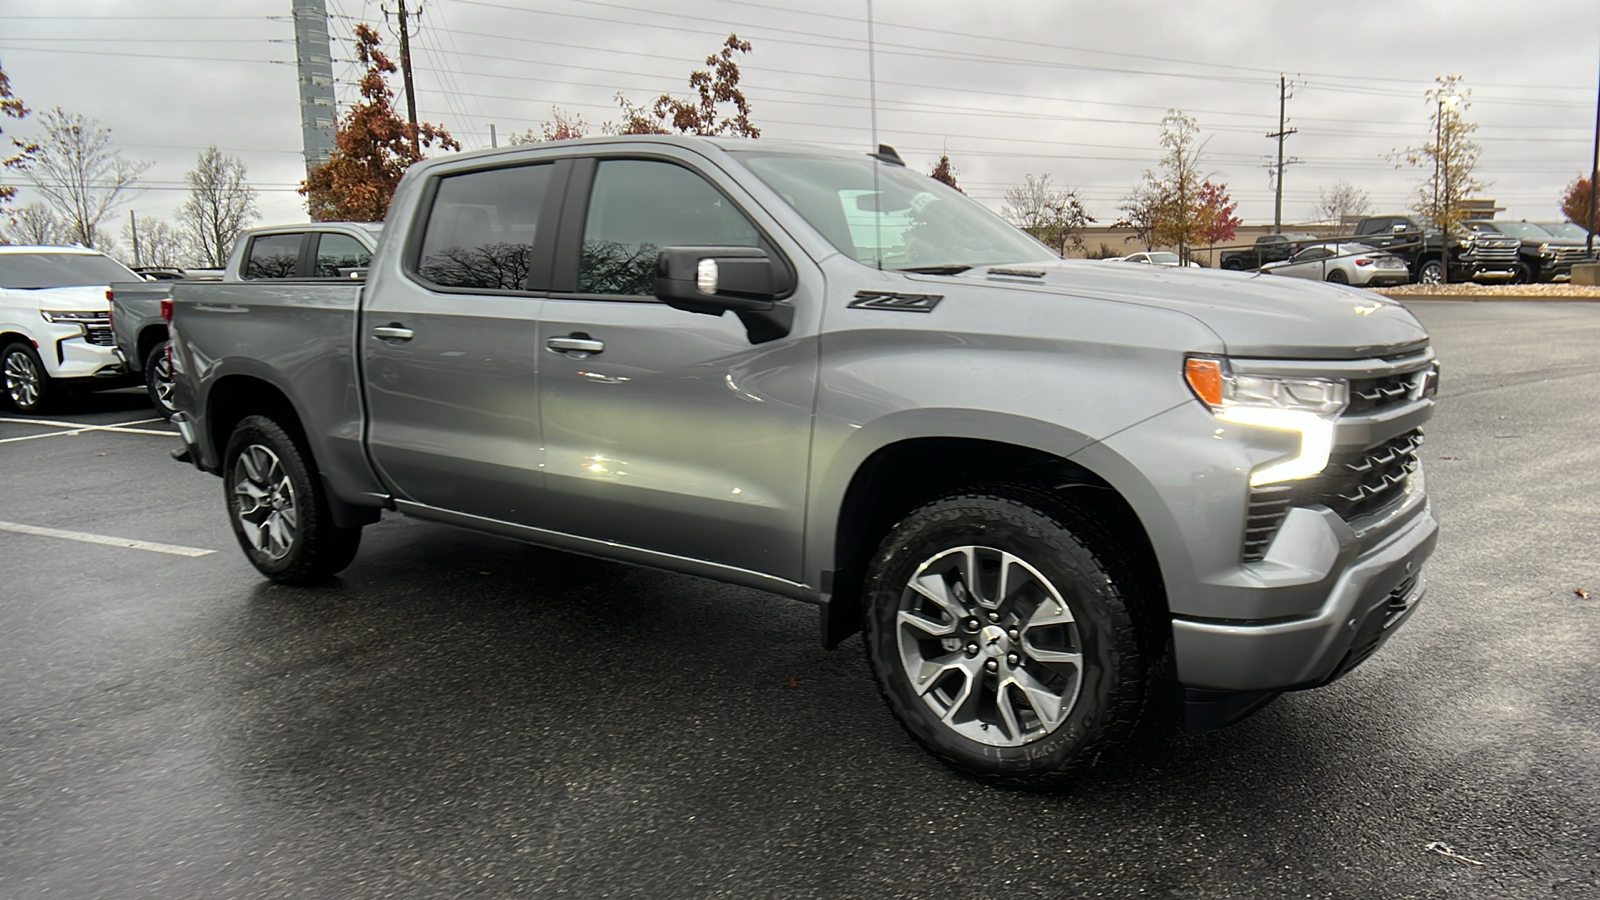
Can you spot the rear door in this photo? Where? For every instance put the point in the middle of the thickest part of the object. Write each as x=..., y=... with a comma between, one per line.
x=671, y=431
x=452, y=346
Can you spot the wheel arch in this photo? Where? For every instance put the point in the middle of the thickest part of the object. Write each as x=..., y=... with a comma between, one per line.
x=149, y=337
x=907, y=473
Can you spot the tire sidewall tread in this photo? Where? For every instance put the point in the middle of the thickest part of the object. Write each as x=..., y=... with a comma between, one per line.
x=1076, y=553
x=320, y=549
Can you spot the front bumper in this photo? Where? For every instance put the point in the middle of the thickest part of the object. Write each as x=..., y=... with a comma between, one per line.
x=1372, y=597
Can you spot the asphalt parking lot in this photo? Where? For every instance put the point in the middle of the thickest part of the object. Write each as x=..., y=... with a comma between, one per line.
x=460, y=716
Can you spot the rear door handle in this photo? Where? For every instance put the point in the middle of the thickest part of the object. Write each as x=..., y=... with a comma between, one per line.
x=575, y=343
x=392, y=333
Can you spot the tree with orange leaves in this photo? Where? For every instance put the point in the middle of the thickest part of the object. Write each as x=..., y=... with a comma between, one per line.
x=373, y=147
x=719, y=85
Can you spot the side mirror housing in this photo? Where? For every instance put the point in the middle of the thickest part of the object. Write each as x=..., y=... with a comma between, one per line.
x=715, y=280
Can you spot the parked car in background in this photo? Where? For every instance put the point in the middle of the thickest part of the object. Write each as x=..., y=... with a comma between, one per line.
x=1355, y=264
x=54, y=327
x=1571, y=231
x=1474, y=255
x=1156, y=258
x=1543, y=256
x=1268, y=248
x=316, y=251
x=173, y=273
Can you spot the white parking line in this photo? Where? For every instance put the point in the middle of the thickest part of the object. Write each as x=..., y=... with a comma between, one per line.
x=86, y=538
x=74, y=428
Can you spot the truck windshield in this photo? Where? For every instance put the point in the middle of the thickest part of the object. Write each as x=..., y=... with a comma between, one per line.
x=1525, y=230
x=1569, y=230
x=29, y=271
x=900, y=220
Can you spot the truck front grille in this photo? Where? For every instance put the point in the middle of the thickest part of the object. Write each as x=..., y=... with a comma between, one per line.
x=1361, y=483
x=98, y=331
x=1497, y=252
x=1354, y=484
x=1369, y=395
x=1566, y=256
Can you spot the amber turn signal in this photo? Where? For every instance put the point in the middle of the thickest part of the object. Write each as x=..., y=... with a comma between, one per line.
x=1205, y=379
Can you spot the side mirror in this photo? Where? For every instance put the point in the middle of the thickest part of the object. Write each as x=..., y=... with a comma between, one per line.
x=715, y=280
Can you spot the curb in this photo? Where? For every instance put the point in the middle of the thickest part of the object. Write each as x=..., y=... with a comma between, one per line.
x=1481, y=298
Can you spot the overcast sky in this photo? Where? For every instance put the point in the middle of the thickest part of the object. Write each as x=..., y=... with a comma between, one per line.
x=1009, y=87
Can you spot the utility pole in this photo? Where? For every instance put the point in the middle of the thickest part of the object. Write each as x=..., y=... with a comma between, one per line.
x=493, y=141
x=315, y=65
x=133, y=226
x=1594, y=181
x=405, y=71
x=1280, y=134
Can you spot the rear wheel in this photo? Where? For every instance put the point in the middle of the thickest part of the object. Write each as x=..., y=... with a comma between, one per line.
x=1337, y=276
x=28, y=387
x=278, y=508
x=1233, y=264
x=1004, y=642
x=158, y=380
x=1432, y=272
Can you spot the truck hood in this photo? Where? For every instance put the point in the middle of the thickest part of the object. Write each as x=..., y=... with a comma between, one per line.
x=84, y=298
x=1254, y=315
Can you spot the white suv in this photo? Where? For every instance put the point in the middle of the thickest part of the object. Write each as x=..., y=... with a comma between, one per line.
x=55, y=322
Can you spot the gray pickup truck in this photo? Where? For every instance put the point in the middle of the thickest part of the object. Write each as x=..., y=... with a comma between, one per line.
x=1052, y=493
x=319, y=250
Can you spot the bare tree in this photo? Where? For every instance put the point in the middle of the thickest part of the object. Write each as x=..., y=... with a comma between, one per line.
x=1341, y=200
x=35, y=224
x=221, y=203
x=159, y=243
x=80, y=174
x=1055, y=217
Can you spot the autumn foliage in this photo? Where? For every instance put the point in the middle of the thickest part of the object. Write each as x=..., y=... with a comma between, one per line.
x=1575, y=203
x=699, y=116
x=12, y=108
x=1214, y=208
x=372, y=149
x=945, y=171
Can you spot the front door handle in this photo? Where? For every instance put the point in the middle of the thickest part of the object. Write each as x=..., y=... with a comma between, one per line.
x=393, y=332
x=575, y=343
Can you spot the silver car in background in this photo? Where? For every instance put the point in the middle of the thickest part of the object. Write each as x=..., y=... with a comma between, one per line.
x=1355, y=264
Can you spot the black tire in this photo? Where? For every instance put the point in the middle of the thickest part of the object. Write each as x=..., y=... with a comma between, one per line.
x=1233, y=265
x=1524, y=275
x=27, y=386
x=1058, y=545
x=158, y=380
x=1337, y=276
x=1430, y=271
x=265, y=467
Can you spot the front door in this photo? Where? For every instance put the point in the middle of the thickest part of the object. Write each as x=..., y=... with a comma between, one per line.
x=451, y=344
x=663, y=429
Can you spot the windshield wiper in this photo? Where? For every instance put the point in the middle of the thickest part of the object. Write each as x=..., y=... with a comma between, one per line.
x=954, y=269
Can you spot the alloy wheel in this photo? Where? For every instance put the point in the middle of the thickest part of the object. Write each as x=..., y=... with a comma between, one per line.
x=990, y=645
x=22, y=380
x=163, y=383
x=264, y=501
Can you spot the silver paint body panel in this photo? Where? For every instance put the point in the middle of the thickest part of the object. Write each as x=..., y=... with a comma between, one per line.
x=683, y=445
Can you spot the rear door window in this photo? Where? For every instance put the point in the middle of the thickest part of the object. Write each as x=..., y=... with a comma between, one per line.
x=481, y=228
x=274, y=256
x=339, y=251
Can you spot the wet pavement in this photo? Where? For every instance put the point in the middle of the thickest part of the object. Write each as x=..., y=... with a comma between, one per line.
x=461, y=716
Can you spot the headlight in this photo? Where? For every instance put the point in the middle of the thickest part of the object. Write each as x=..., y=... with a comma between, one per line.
x=1306, y=406
x=70, y=317
x=1544, y=250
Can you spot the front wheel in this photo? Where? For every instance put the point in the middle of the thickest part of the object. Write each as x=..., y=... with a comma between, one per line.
x=28, y=387
x=158, y=380
x=1004, y=642
x=278, y=508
